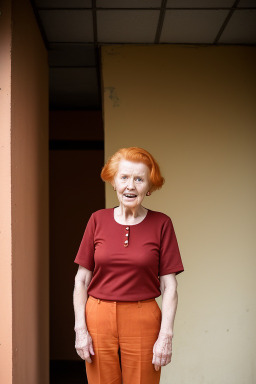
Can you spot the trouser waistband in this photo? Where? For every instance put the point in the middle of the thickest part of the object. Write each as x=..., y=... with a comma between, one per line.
x=139, y=302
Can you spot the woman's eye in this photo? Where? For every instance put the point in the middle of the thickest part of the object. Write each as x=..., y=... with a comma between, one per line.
x=138, y=179
x=123, y=177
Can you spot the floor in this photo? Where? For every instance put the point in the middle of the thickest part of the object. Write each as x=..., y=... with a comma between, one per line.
x=67, y=372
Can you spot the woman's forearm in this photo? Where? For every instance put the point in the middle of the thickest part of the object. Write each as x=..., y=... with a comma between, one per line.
x=169, y=306
x=162, y=350
x=79, y=300
x=83, y=343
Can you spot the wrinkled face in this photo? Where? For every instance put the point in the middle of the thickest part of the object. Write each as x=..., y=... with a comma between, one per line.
x=131, y=182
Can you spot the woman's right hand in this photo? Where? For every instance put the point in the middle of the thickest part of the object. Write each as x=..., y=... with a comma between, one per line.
x=83, y=344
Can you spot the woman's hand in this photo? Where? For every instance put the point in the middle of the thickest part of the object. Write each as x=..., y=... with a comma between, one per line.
x=162, y=350
x=83, y=344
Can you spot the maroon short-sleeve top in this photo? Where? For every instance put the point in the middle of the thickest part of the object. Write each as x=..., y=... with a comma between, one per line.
x=127, y=260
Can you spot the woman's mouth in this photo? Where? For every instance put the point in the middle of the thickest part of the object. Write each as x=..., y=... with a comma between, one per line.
x=130, y=195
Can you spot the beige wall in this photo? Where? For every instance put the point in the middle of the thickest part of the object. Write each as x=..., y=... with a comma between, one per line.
x=24, y=353
x=194, y=109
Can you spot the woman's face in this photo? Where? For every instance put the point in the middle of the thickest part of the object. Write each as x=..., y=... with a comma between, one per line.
x=131, y=182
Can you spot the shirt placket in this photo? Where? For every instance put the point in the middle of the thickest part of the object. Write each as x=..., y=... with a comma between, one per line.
x=126, y=236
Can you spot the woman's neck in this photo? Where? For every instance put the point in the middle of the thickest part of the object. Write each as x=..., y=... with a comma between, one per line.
x=128, y=215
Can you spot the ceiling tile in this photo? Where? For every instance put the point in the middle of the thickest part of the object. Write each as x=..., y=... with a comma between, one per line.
x=71, y=55
x=199, y=3
x=63, y=3
x=128, y=3
x=72, y=88
x=241, y=28
x=67, y=25
x=247, y=3
x=199, y=26
x=127, y=26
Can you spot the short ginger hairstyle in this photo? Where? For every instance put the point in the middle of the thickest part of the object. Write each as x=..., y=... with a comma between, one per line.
x=134, y=154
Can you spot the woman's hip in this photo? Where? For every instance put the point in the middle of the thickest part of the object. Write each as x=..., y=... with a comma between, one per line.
x=123, y=318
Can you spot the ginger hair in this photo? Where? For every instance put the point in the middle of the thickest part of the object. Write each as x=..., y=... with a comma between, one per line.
x=134, y=154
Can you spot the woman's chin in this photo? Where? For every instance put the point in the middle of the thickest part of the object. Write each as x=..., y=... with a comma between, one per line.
x=130, y=203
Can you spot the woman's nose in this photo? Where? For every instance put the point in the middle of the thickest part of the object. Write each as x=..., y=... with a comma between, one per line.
x=130, y=184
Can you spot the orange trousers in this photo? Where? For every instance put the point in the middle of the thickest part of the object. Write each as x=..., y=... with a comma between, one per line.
x=133, y=328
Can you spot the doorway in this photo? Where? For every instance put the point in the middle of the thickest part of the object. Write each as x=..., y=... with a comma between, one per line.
x=75, y=191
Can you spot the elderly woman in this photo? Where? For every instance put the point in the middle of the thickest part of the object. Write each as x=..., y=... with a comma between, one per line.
x=128, y=256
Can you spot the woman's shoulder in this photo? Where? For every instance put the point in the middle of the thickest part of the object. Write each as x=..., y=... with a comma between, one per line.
x=157, y=215
x=101, y=213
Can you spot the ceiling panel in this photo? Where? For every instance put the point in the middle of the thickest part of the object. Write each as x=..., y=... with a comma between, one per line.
x=71, y=55
x=192, y=26
x=199, y=3
x=128, y=3
x=73, y=88
x=63, y=3
x=241, y=28
x=247, y=3
x=67, y=25
x=127, y=26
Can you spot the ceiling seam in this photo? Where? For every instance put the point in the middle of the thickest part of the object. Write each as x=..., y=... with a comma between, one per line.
x=94, y=17
x=98, y=9
x=96, y=50
x=100, y=43
x=160, y=21
x=40, y=25
x=145, y=9
x=226, y=21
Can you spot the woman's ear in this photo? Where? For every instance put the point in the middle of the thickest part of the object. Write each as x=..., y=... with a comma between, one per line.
x=113, y=185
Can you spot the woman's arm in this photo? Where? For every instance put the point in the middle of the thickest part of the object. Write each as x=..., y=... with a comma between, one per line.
x=83, y=342
x=162, y=351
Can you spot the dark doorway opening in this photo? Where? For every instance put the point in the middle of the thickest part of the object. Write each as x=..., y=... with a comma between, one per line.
x=76, y=190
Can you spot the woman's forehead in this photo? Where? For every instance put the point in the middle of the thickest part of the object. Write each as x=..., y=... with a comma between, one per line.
x=127, y=166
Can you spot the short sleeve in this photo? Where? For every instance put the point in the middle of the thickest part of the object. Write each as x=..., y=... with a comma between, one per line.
x=85, y=254
x=170, y=259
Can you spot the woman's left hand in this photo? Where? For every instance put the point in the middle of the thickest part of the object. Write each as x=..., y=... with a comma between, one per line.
x=162, y=351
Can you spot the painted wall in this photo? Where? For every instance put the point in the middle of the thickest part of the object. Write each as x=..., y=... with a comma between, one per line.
x=25, y=352
x=194, y=109
x=5, y=197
